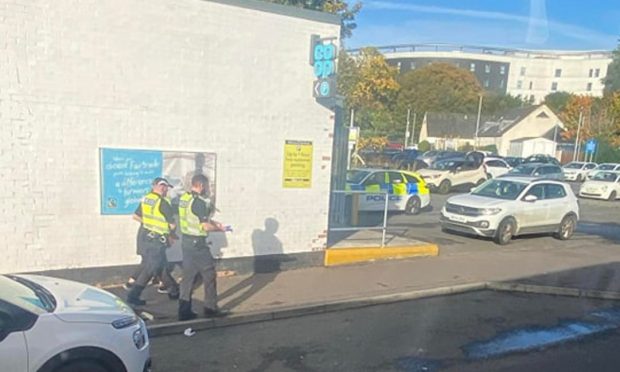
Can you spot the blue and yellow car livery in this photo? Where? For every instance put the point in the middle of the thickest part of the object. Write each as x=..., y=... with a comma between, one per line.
x=407, y=191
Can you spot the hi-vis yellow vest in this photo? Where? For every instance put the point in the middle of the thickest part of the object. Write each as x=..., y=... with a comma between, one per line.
x=152, y=218
x=190, y=223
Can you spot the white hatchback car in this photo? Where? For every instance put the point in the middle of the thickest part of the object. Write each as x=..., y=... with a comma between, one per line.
x=612, y=167
x=496, y=167
x=578, y=171
x=602, y=185
x=509, y=206
x=56, y=325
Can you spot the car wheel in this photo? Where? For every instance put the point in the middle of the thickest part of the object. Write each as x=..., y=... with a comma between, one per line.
x=580, y=178
x=481, y=181
x=489, y=176
x=505, y=231
x=444, y=187
x=414, y=205
x=567, y=227
x=82, y=366
x=613, y=196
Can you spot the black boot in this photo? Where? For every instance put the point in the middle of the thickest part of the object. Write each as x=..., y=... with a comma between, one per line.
x=185, y=311
x=133, y=297
x=215, y=313
x=173, y=293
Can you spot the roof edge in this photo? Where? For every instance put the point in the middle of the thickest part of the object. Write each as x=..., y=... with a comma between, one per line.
x=285, y=10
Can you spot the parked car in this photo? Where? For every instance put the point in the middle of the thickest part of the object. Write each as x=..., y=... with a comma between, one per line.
x=496, y=167
x=506, y=207
x=514, y=161
x=602, y=185
x=541, y=158
x=430, y=157
x=55, y=325
x=444, y=175
x=612, y=167
x=577, y=171
x=537, y=170
x=407, y=191
x=405, y=158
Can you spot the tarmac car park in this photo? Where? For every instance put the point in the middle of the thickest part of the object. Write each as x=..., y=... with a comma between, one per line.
x=406, y=191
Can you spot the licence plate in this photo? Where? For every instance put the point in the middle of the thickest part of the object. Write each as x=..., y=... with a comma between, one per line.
x=458, y=219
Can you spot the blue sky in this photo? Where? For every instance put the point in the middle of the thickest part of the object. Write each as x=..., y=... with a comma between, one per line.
x=532, y=24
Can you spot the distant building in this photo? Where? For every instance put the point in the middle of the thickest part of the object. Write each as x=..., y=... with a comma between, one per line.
x=449, y=131
x=531, y=74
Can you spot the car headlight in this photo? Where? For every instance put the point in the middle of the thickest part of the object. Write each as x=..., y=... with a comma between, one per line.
x=490, y=211
x=125, y=322
x=139, y=338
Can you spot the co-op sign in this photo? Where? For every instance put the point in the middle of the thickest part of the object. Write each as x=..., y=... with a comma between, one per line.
x=323, y=54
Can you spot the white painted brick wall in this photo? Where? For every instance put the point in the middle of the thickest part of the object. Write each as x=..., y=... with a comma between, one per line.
x=155, y=74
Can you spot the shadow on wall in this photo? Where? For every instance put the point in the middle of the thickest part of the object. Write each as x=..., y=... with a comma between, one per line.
x=268, y=257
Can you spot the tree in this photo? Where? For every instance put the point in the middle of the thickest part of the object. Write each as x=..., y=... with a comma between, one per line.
x=575, y=107
x=342, y=8
x=612, y=80
x=557, y=101
x=439, y=87
x=494, y=103
x=369, y=86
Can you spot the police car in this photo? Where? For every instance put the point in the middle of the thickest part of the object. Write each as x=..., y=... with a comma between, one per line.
x=407, y=191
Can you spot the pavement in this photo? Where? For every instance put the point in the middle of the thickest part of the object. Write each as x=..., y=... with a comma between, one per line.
x=475, y=331
x=590, y=261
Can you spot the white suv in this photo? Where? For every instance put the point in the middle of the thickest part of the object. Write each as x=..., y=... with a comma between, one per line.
x=578, y=171
x=55, y=325
x=509, y=206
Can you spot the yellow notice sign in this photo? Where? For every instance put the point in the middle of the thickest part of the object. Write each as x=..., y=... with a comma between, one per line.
x=297, y=165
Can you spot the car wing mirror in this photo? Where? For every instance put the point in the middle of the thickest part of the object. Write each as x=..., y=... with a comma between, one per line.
x=530, y=198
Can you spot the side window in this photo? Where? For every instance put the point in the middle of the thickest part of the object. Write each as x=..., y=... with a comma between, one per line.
x=538, y=191
x=496, y=164
x=554, y=191
x=377, y=178
x=539, y=171
x=545, y=170
x=396, y=177
x=411, y=179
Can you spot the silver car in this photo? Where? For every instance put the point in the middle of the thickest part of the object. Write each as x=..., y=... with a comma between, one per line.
x=538, y=170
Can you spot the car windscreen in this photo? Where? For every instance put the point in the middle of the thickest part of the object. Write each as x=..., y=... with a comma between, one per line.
x=446, y=165
x=605, y=177
x=356, y=176
x=574, y=166
x=606, y=167
x=500, y=189
x=522, y=170
x=26, y=294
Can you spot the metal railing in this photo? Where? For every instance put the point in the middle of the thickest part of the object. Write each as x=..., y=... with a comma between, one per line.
x=355, y=205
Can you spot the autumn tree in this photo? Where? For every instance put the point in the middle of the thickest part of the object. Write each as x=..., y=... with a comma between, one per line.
x=576, y=107
x=369, y=86
x=439, y=87
x=342, y=8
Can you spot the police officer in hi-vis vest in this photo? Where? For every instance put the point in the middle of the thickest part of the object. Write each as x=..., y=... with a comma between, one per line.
x=195, y=211
x=157, y=218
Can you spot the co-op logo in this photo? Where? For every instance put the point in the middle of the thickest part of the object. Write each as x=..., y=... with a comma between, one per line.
x=379, y=198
